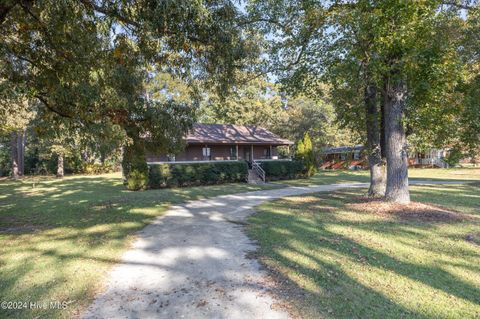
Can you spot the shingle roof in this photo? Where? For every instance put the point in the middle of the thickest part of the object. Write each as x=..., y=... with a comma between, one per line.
x=233, y=134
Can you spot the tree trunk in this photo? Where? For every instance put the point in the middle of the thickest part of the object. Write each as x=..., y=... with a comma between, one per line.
x=383, y=101
x=60, y=166
x=21, y=152
x=396, y=143
x=14, y=155
x=377, y=172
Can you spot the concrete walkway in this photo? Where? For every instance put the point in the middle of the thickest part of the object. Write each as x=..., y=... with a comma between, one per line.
x=191, y=263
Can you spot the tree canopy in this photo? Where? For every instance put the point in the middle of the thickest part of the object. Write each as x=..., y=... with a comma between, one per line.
x=412, y=53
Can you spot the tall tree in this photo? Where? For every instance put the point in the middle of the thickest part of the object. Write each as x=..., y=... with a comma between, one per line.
x=395, y=43
x=87, y=60
x=251, y=102
x=16, y=114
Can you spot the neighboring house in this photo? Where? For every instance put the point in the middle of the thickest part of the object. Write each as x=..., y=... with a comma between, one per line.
x=343, y=153
x=224, y=142
x=353, y=156
x=433, y=157
x=343, y=157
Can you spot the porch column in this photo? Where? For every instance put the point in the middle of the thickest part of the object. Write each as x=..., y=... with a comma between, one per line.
x=271, y=152
x=252, y=153
x=236, y=146
x=205, y=156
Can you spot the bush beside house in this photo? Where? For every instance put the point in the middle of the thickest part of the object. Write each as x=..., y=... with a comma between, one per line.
x=279, y=170
x=304, y=152
x=192, y=174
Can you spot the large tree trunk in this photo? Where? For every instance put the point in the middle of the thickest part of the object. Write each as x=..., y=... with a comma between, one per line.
x=396, y=143
x=21, y=152
x=14, y=155
x=60, y=166
x=383, y=101
x=377, y=172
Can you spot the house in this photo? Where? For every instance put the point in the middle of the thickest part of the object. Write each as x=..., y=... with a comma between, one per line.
x=343, y=153
x=354, y=157
x=225, y=142
x=429, y=158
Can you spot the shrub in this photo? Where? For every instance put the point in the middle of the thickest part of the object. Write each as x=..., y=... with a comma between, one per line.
x=135, y=168
x=99, y=168
x=190, y=174
x=305, y=153
x=278, y=170
x=137, y=179
x=453, y=157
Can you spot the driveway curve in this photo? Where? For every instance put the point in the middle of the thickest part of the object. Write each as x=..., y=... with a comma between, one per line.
x=192, y=263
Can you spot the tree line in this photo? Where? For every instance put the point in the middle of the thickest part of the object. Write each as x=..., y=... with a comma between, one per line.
x=139, y=73
x=396, y=68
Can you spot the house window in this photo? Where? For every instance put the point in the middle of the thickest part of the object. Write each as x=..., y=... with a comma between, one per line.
x=356, y=155
x=343, y=156
x=206, y=153
x=233, y=152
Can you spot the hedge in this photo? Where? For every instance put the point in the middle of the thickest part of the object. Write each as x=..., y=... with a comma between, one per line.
x=278, y=170
x=191, y=174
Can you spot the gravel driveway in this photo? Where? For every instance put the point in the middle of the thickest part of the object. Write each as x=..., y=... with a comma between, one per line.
x=191, y=263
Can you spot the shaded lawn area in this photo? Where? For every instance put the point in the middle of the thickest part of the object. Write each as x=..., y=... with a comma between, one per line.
x=349, y=176
x=59, y=238
x=336, y=260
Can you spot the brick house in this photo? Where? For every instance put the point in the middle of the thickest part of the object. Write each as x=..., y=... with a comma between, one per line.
x=214, y=142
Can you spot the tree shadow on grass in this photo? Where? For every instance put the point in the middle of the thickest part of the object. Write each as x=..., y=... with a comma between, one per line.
x=79, y=200
x=77, y=227
x=304, y=235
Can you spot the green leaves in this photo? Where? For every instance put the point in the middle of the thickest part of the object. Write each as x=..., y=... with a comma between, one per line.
x=428, y=44
x=304, y=153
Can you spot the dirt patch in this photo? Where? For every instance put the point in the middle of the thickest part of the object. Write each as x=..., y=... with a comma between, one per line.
x=410, y=212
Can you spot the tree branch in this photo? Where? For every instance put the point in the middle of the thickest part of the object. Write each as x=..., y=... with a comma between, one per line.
x=108, y=12
x=5, y=9
x=48, y=106
x=458, y=4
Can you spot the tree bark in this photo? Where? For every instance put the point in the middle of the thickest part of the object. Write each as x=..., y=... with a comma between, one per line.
x=383, y=101
x=396, y=143
x=377, y=171
x=21, y=152
x=14, y=155
x=60, y=166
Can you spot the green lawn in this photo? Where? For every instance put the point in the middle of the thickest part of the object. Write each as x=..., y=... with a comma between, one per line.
x=59, y=238
x=336, y=259
x=349, y=176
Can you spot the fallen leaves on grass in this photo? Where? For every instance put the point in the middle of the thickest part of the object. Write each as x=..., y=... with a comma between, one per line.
x=408, y=212
x=301, y=199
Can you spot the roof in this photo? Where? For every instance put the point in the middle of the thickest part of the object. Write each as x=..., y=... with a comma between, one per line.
x=342, y=149
x=233, y=134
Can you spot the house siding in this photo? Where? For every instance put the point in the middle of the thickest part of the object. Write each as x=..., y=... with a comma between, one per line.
x=217, y=152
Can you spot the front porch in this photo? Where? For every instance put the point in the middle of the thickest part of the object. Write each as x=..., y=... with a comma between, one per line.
x=195, y=153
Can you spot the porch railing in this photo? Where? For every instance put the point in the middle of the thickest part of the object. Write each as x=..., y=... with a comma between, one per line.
x=433, y=161
x=258, y=170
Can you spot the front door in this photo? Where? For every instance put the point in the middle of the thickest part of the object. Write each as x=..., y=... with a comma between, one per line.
x=247, y=155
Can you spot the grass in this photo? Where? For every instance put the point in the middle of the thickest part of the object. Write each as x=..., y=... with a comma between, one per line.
x=349, y=176
x=335, y=260
x=58, y=238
